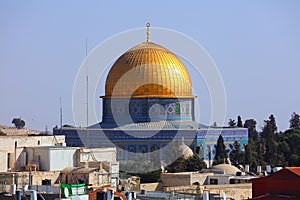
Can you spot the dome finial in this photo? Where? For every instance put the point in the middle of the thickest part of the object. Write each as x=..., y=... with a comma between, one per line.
x=148, y=32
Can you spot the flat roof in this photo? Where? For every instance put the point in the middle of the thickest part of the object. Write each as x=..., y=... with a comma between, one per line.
x=244, y=177
x=52, y=147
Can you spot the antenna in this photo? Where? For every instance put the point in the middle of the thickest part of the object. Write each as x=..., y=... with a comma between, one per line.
x=87, y=85
x=60, y=111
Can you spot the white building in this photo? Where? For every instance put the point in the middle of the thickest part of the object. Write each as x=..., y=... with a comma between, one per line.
x=12, y=149
x=53, y=158
x=56, y=158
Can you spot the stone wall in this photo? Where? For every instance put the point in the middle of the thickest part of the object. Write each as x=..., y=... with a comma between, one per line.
x=38, y=176
x=14, y=131
x=184, y=179
x=23, y=178
x=8, y=143
x=3, y=161
x=235, y=191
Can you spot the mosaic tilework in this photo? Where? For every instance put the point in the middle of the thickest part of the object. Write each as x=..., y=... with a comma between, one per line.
x=203, y=139
x=146, y=110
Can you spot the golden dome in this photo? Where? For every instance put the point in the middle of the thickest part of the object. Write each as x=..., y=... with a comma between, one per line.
x=148, y=71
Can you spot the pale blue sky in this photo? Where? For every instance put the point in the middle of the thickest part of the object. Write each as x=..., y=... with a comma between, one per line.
x=255, y=44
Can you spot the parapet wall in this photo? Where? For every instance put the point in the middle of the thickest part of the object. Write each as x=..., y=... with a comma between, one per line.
x=235, y=191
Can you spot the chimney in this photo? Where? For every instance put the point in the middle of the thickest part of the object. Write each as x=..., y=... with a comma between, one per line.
x=100, y=166
x=247, y=168
x=268, y=168
x=259, y=169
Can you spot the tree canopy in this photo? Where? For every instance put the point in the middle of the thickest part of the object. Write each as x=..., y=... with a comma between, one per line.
x=268, y=146
x=221, y=155
x=236, y=155
x=190, y=164
x=231, y=123
x=147, y=170
x=18, y=122
x=295, y=121
x=239, y=122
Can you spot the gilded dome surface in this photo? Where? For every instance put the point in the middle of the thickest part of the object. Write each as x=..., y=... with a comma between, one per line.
x=148, y=71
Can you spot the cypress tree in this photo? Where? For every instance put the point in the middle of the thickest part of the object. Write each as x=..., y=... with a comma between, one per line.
x=221, y=155
x=295, y=121
x=239, y=121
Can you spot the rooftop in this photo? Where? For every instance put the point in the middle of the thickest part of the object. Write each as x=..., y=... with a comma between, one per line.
x=161, y=125
x=295, y=170
x=227, y=169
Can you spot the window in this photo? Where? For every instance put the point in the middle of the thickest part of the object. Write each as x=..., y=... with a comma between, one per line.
x=187, y=109
x=213, y=181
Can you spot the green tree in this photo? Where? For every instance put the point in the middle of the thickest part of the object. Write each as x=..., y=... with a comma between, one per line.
x=289, y=147
x=194, y=163
x=252, y=132
x=252, y=149
x=270, y=154
x=295, y=121
x=273, y=123
x=239, y=121
x=150, y=177
x=260, y=149
x=236, y=155
x=250, y=156
x=232, y=123
x=190, y=164
x=177, y=166
x=18, y=122
x=221, y=155
x=250, y=124
x=145, y=169
x=68, y=126
x=283, y=152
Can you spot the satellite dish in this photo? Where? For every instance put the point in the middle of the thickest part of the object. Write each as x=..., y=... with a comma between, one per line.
x=66, y=191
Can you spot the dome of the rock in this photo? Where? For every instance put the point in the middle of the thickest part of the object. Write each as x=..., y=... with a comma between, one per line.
x=148, y=83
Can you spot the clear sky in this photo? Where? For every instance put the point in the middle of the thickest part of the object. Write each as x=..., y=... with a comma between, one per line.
x=255, y=44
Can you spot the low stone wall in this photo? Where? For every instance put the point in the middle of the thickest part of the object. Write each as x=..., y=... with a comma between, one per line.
x=22, y=178
x=38, y=176
x=184, y=179
x=14, y=131
x=235, y=191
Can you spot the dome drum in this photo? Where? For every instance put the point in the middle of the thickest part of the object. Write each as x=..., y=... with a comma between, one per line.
x=147, y=110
